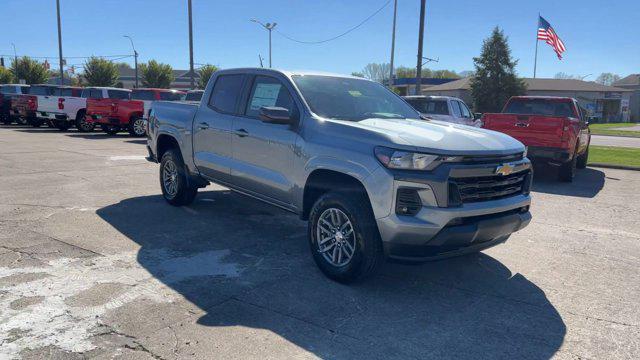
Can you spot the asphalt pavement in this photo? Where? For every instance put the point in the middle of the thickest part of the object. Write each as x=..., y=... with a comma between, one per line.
x=95, y=264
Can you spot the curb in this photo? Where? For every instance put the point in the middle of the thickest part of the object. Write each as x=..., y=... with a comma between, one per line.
x=613, y=166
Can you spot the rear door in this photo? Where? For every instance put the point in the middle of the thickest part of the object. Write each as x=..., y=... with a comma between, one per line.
x=263, y=152
x=535, y=122
x=212, y=127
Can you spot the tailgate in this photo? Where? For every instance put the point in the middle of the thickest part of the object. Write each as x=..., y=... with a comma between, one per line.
x=531, y=130
x=48, y=104
x=100, y=107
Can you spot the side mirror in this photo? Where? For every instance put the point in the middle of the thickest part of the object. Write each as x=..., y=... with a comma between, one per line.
x=477, y=116
x=275, y=115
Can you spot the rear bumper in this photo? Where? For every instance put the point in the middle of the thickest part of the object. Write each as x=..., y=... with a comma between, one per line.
x=106, y=120
x=537, y=153
x=53, y=116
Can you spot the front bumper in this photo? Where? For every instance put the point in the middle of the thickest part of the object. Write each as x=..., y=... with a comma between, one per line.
x=442, y=226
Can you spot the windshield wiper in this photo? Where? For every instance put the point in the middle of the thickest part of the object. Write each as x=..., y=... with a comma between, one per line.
x=382, y=115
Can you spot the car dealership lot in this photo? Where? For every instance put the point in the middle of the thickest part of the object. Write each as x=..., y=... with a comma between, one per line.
x=94, y=263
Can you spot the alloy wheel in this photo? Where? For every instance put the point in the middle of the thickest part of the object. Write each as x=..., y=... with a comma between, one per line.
x=336, y=237
x=170, y=178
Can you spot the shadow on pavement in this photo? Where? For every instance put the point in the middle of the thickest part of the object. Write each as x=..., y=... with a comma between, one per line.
x=247, y=264
x=97, y=135
x=587, y=183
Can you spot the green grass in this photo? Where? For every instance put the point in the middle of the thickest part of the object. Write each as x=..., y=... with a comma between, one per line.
x=607, y=129
x=614, y=155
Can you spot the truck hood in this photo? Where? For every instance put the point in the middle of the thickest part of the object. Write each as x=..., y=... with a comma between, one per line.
x=440, y=137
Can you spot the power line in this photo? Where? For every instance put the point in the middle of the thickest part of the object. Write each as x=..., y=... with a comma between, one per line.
x=337, y=36
x=71, y=57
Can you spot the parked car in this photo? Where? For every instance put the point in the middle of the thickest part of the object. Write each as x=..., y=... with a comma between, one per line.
x=60, y=106
x=193, y=95
x=23, y=109
x=112, y=109
x=7, y=92
x=555, y=130
x=149, y=95
x=445, y=108
x=373, y=179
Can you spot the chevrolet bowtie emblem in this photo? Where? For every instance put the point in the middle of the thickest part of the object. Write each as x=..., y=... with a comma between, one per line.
x=504, y=170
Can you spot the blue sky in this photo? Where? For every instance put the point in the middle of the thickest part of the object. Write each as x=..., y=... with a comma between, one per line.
x=600, y=36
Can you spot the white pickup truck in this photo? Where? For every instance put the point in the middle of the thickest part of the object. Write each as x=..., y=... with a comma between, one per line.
x=59, y=106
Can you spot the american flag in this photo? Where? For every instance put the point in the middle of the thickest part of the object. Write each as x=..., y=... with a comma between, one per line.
x=546, y=33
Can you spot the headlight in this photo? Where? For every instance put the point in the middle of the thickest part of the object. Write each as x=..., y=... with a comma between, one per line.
x=526, y=150
x=404, y=160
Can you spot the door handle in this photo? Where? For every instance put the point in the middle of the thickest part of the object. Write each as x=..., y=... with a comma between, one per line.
x=203, y=126
x=242, y=132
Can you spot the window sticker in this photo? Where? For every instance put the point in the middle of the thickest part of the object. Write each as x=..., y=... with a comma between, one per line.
x=355, y=93
x=265, y=95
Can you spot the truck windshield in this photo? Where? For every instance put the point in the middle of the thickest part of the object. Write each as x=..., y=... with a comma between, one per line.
x=351, y=99
x=118, y=94
x=142, y=95
x=544, y=107
x=429, y=106
x=170, y=96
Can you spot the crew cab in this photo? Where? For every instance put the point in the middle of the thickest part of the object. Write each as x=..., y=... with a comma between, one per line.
x=372, y=177
x=7, y=92
x=445, y=108
x=555, y=130
x=112, y=109
x=59, y=106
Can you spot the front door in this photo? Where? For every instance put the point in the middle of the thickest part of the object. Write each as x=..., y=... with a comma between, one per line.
x=263, y=152
x=212, y=127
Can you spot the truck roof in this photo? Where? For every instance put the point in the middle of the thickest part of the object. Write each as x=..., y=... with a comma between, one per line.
x=106, y=88
x=543, y=97
x=158, y=89
x=430, y=97
x=20, y=85
x=290, y=73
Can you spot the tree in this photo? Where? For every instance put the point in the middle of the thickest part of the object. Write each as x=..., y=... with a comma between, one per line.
x=402, y=72
x=157, y=75
x=205, y=73
x=6, y=76
x=562, y=75
x=100, y=72
x=607, y=78
x=29, y=70
x=445, y=74
x=377, y=72
x=467, y=73
x=495, y=80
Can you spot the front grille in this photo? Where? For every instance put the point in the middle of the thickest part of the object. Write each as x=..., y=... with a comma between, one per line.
x=490, y=159
x=485, y=188
x=408, y=202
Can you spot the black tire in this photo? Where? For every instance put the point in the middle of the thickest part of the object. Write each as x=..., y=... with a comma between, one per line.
x=7, y=120
x=184, y=193
x=368, y=255
x=110, y=129
x=568, y=170
x=583, y=159
x=136, y=127
x=81, y=123
x=22, y=121
x=63, y=125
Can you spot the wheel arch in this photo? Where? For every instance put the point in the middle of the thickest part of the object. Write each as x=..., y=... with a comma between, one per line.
x=321, y=181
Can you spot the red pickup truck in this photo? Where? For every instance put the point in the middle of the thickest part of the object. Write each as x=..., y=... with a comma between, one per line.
x=24, y=107
x=118, y=110
x=554, y=129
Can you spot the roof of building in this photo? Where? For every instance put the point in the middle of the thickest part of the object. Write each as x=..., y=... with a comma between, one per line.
x=536, y=84
x=130, y=72
x=633, y=79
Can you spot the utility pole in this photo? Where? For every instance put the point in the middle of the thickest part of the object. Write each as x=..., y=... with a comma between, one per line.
x=191, y=49
x=269, y=27
x=135, y=57
x=420, y=40
x=60, y=43
x=15, y=55
x=393, y=42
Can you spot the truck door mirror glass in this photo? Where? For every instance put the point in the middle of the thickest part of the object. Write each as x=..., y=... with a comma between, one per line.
x=275, y=115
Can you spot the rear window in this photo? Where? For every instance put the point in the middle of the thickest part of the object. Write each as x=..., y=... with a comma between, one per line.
x=118, y=94
x=226, y=92
x=193, y=96
x=427, y=106
x=41, y=90
x=8, y=89
x=63, y=92
x=542, y=107
x=142, y=95
x=171, y=96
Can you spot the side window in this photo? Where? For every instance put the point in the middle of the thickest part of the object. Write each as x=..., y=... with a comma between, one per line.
x=456, y=109
x=465, y=110
x=226, y=92
x=268, y=91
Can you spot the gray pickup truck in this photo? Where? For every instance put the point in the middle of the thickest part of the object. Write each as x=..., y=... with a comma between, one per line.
x=373, y=179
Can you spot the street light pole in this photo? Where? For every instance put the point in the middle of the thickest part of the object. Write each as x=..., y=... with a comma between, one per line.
x=15, y=55
x=393, y=42
x=191, y=48
x=420, y=41
x=135, y=57
x=269, y=27
x=60, y=43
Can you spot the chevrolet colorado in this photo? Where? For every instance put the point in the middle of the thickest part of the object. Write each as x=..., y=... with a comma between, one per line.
x=555, y=130
x=372, y=178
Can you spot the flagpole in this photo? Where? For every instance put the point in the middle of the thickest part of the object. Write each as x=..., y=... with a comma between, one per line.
x=535, y=61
